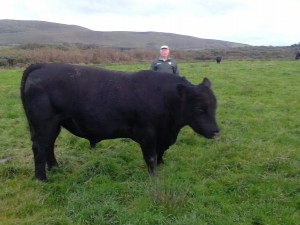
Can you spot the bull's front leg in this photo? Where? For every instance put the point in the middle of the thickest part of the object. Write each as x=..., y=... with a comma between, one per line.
x=148, y=146
x=150, y=158
x=160, y=154
x=160, y=159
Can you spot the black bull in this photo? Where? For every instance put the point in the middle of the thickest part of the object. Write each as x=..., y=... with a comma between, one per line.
x=96, y=104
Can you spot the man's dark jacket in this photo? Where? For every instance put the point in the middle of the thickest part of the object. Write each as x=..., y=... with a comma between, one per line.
x=168, y=66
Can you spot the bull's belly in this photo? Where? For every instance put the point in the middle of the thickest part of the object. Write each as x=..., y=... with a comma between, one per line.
x=97, y=131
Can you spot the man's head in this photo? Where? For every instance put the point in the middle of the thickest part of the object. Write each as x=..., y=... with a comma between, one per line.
x=164, y=51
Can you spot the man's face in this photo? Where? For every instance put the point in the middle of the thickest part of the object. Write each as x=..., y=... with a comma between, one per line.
x=164, y=52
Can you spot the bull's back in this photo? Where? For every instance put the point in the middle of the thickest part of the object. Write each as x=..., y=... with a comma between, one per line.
x=75, y=87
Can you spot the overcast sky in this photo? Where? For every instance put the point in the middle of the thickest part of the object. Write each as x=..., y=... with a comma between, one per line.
x=254, y=22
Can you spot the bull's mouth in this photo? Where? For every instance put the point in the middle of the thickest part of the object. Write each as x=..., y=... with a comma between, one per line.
x=216, y=136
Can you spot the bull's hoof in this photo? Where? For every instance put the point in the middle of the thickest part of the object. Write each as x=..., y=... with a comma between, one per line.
x=151, y=174
x=42, y=180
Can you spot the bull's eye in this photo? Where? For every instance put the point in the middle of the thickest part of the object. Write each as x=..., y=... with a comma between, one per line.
x=200, y=110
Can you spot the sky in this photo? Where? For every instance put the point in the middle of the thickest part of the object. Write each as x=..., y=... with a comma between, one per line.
x=253, y=22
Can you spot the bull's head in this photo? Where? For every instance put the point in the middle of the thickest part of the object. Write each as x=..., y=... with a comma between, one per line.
x=200, y=108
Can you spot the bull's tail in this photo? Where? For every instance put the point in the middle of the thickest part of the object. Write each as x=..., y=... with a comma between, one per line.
x=26, y=73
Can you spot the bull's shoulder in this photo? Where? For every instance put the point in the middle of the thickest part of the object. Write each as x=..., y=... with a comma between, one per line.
x=154, y=77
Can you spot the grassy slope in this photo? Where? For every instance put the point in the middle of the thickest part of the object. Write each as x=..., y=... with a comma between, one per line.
x=250, y=176
x=23, y=32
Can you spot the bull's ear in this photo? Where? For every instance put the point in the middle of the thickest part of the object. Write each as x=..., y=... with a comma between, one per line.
x=206, y=82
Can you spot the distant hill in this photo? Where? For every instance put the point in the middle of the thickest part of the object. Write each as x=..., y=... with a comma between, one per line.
x=18, y=32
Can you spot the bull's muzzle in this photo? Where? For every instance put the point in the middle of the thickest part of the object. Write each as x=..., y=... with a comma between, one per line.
x=216, y=136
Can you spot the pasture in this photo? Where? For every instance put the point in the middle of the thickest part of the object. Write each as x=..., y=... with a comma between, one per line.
x=250, y=176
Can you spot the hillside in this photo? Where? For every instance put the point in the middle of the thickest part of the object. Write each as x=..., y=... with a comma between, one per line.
x=18, y=32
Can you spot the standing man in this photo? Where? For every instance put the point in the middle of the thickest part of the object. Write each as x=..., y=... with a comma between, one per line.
x=164, y=63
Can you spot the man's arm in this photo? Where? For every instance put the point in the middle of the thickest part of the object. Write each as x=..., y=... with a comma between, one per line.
x=175, y=68
x=153, y=67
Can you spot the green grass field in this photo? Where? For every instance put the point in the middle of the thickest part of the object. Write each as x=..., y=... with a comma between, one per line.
x=250, y=176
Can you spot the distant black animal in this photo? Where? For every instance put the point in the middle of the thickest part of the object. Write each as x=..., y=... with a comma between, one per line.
x=297, y=55
x=218, y=59
x=97, y=104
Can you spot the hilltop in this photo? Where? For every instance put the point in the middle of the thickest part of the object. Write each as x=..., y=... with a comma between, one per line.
x=20, y=32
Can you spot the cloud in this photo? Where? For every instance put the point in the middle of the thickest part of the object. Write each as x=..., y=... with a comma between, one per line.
x=253, y=22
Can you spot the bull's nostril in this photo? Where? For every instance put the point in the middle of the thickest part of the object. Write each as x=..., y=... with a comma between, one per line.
x=216, y=132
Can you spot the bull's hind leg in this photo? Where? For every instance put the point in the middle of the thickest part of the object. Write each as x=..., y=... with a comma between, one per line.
x=43, y=137
x=50, y=159
x=39, y=161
